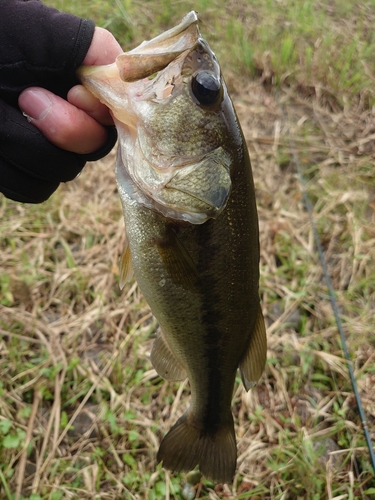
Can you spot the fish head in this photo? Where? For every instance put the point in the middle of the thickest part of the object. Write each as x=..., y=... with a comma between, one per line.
x=170, y=106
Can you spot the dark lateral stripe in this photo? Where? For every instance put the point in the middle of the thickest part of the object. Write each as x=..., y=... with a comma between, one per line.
x=211, y=316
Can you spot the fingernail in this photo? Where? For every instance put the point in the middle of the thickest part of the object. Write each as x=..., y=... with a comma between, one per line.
x=35, y=104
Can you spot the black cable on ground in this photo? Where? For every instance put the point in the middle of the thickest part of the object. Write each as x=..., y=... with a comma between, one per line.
x=334, y=306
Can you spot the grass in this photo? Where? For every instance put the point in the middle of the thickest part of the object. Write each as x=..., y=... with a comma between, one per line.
x=82, y=411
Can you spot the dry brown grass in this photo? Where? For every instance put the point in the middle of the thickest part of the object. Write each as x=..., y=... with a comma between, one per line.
x=86, y=409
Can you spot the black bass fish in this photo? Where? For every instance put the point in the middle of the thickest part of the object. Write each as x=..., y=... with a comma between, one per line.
x=185, y=182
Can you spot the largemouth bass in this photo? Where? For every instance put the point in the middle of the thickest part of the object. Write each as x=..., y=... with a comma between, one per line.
x=185, y=182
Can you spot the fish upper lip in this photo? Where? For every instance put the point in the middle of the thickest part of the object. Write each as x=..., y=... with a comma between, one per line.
x=176, y=32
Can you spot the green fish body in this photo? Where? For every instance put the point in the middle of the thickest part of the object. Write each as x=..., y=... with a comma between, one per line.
x=186, y=186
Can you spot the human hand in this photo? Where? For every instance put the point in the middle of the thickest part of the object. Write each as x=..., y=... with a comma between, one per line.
x=75, y=125
x=67, y=126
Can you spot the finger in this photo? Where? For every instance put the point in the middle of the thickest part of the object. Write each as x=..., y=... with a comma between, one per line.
x=104, y=48
x=62, y=123
x=83, y=99
x=31, y=167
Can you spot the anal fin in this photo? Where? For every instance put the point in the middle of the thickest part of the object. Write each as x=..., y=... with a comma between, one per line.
x=252, y=364
x=164, y=361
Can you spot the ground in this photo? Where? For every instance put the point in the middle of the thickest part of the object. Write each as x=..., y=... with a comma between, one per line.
x=82, y=411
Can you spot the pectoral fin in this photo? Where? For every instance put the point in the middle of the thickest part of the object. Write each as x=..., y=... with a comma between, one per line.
x=178, y=261
x=126, y=268
x=252, y=364
x=164, y=361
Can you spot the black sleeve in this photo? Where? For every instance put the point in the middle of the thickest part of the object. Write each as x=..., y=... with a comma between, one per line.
x=39, y=46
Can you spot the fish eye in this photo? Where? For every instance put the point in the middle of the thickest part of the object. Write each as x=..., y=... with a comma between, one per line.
x=206, y=88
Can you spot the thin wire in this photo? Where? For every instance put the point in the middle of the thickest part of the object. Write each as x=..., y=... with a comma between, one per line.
x=334, y=306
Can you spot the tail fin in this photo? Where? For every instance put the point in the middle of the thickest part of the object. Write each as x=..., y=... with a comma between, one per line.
x=185, y=446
